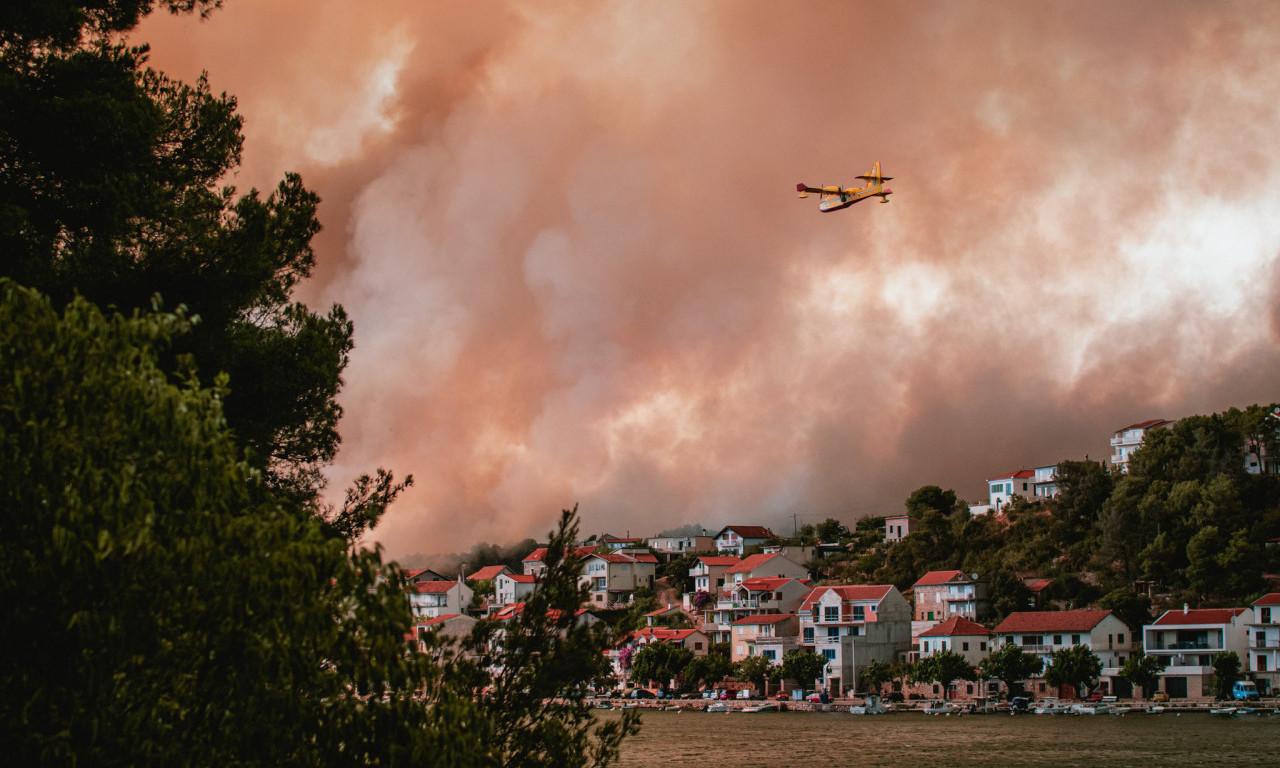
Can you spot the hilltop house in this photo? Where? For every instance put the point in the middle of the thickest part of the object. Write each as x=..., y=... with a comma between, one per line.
x=1040, y=633
x=612, y=577
x=852, y=625
x=708, y=572
x=939, y=595
x=1001, y=489
x=1185, y=640
x=1128, y=439
x=513, y=587
x=674, y=546
x=898, y=527
x=431, y=599
x=764, y=566
x=736, y=539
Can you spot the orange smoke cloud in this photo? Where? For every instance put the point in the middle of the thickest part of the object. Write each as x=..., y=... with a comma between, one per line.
x=567, y=237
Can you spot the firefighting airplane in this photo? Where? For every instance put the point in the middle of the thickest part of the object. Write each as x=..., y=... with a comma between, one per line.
x=835, y=198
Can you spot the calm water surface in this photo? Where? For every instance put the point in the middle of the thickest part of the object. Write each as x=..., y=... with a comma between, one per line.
x=838, y=739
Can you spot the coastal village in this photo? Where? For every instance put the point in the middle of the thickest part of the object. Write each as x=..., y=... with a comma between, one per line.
x=753, y=596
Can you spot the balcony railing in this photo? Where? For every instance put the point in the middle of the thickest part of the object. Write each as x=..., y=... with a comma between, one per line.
x=1195, y=645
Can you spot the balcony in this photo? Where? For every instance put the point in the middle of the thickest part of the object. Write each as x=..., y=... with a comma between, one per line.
x=728, y=605
x=1197, y=645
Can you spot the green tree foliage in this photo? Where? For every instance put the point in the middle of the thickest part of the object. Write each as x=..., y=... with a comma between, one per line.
x=1010, y=665
x=758, y=671
x=1226, y=671
x=802, y=666
x=660, y=663
x=1076, y=666
x=931, y=498
x=1132, y=608
x=676, y=572
x=706, y=670
x=1142, y=671
x=874, y=675
x=944, y=668
x=110, y=179
x=832, y=531
x=169, y=607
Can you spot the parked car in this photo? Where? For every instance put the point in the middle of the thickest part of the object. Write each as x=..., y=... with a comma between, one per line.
x=1244, y=690
x=1019, y=705
x=1160, y=696
x=641, y=693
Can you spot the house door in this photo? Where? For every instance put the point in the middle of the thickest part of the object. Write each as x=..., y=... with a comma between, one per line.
x=1176, y=687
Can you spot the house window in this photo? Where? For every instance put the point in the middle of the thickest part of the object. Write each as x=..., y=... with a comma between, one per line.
x=1262, y=663
x=1120, y=639
x=831, y=613
x=1032, y=639
x=964, y=647
x=1057, y=639
x=982, y=645
x=1075, y=639
x=833, y=632
x=1265, y=618
x=859, y=613
x=808, y=634
x=771, y=655
x=697, y=646
x=829, y=654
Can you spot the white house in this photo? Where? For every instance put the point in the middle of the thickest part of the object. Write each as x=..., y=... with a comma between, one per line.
x=708, y=572
x=513, y=587
x=849, y=626
x=1001, y=489
x=1044, y=484
x=764, y=566
x=1128, y=439
x=958, y=635
x=1041, y=633
x=898, y=527
x=612, y=577
x=768, y=635
x=680, y=545
x=1264, y=642
x=737, y=538
x=431, y=599
x=753, y=596
x=1185, y=640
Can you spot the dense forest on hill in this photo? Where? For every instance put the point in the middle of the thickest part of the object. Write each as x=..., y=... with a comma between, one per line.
x=1186, y=523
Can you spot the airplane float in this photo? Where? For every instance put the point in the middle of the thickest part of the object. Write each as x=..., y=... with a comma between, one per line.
x=835, y=198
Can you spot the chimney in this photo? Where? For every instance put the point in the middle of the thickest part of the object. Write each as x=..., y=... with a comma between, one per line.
x=1184, y=609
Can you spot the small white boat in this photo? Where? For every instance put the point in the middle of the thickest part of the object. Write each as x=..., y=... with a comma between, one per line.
x=1089, y=709
x=767, y=707
x=938, y=708
x=1121, y=710
x=1224, y=711
x=1155, y=709
x=1050, y=707
x=718, y=706
x=871, y=706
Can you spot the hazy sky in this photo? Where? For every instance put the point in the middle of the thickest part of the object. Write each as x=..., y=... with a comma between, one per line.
x=569, y=238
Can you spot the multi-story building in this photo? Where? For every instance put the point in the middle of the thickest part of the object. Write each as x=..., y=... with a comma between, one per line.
x=430, y=599
x=1186, y=640
x=763, y=566
x=681, y=545
x=939, y=595
x=708, y=572
x=513, y=587
x=751, y=597
x=769, y=635
x=736, y=539
x=849, y=626
x=898, y=527
x=958, y=635
x=1264, y=643
x=1041, y=633
x=1044, y=483
x=1128, y=439
x=1004, y=487
x=612, y=577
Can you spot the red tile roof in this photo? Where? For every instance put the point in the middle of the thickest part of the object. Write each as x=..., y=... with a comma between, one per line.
x=716, y=560
x=934, y=578
x=1037, y=585
x=521, y=578
x=955, y=627
x=487, y=573
x=751, y=562
x=1019, y=475
x=1178, y=617
x=763, y=584
x=763, y=618
x=1051, y=621
x=1271, y=599
x=536, y=556
x=749, y=531
x=849, y=592
x=432, y=587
